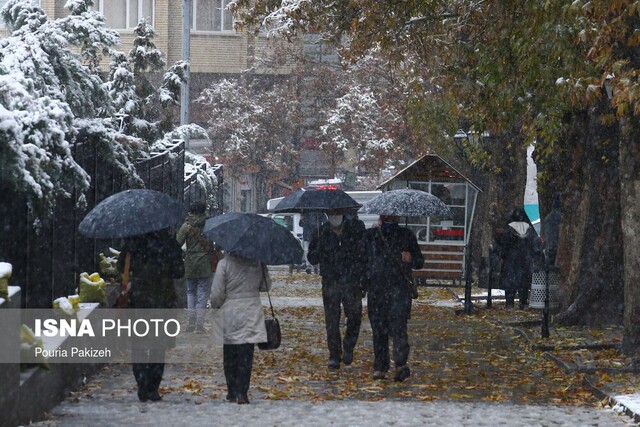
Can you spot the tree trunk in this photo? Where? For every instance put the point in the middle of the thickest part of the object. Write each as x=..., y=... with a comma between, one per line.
x=630, y=205
x=500, y=192
x=590, y=250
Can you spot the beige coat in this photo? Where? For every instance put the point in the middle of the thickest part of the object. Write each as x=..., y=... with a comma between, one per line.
x=236, y=292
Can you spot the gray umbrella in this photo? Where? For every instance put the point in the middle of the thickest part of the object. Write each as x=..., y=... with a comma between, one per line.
x=406, y=202
x=131, y=213
x=253, y=236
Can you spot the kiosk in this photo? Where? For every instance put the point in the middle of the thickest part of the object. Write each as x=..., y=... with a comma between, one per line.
x=444, y=241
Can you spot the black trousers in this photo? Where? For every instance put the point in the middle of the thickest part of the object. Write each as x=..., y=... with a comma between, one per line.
x=389, y=315
x=148, y=375
x=510, y=296
x=238, y=363
x=334, y=298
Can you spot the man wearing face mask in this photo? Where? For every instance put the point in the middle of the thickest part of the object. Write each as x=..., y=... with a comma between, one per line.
x=339, y=250
x=392, y=251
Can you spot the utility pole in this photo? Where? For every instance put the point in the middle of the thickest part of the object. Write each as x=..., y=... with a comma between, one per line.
x=186, y=52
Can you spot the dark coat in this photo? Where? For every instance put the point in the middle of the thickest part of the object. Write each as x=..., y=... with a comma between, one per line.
x=386, y=273
x=341, y=257
x=156, y=259
x=519, y=247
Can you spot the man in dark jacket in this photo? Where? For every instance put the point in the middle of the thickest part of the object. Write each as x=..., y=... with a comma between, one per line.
x=339, y=250
x=392, y=252
x=156, y=260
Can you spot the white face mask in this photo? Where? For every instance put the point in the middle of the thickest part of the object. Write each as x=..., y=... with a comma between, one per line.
x=335, y=220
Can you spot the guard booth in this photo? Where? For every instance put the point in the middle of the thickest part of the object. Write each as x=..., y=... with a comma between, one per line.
x=443, y=241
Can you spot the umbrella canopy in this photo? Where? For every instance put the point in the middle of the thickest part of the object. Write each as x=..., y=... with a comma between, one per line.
x=131, y=213
x=315, y=200
x=253, y=236
x=406, y=202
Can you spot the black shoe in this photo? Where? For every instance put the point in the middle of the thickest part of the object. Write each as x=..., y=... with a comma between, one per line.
x=308, y=270
x=142, y=395
x=347, y=357
x=154, y=396
x=190, y=328
x=334, y=364
x=242, y=400
x=402, y=373
x=231, y=398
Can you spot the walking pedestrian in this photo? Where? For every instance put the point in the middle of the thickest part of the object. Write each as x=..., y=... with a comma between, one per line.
x=550, y=231
x=310, y=222
x=519, y=246
x=236, y=293
x=338, y=249
x=155, y=260
x=199, y=268
x=392, y=252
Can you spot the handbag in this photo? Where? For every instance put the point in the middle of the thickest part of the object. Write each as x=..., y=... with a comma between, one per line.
x=122, y=301
x=272, y=326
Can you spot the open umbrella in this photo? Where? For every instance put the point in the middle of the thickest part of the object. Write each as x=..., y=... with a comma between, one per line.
x=406, y=202
x=314, y=200
x=131, y=213
x=253, y=236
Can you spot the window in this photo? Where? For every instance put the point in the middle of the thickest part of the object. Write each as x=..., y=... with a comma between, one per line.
x=211, y=15
x=123, y=14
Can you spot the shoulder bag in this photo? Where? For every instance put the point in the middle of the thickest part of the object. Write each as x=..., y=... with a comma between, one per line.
x=272, y=325
x=215, y=258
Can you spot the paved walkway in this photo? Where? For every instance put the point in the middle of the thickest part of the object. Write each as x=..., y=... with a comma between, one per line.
x=467, y=370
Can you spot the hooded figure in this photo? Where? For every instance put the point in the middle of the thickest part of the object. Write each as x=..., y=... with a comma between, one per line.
x=519, y=246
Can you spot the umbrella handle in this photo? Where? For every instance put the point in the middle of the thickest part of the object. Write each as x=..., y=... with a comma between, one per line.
x=124, y=287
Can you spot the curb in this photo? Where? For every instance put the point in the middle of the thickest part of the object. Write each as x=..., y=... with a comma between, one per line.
x=606, y=396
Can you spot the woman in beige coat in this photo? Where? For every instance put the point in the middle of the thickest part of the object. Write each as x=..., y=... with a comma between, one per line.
x=236, y=292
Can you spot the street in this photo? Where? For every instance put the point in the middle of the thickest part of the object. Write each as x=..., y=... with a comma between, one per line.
x=464, y=372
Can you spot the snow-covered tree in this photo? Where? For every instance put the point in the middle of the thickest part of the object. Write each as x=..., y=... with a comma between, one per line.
x=50, y=93
x=251, y=127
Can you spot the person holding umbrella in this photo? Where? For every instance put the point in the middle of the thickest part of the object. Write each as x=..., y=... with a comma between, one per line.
x=251, y=242
x=155, y=260
x=198, y=267
x=338, y=249
x=392, y=251
x=143, y=218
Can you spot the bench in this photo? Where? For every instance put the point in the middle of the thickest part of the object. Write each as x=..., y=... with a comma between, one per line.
x=443, y=266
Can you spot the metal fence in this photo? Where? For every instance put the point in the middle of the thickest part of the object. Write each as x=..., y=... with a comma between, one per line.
x=48, y=260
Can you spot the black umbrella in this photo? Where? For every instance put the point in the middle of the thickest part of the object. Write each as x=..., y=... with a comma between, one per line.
x=131, y=213
x=406, y=202
x=253, y=236
x=314, y=200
